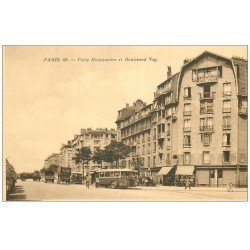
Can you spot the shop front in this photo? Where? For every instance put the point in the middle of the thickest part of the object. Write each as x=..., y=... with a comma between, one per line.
x=219, y=176
x=166, y=176
x=183, y=173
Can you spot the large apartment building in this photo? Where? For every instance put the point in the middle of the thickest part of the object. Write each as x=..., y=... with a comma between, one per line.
x=98, y=138
x=197, y=124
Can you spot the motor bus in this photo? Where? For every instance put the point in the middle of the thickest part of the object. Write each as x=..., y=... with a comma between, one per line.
x=116, y=178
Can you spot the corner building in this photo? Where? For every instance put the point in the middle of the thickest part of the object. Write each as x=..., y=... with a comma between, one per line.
x=198, y=122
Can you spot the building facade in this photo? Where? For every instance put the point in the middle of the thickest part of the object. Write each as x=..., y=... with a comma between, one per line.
x=95, y=139
x=196, y=125
x=53, y=159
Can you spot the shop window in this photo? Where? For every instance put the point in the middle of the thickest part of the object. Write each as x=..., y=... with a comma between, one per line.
x=211, y=173
x=226, y=156
x=220, y=173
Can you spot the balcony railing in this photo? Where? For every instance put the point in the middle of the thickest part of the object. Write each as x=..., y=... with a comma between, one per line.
x=208, y=110
x=206, y=143
x=226, y=110
x=226, y=144
x=206, y=128
x=187, y=145
x=227, y=126
x=187, y=129
x=187, y=97
x=204, y=79
x=160, y=136
x=227, y=93
x=187, y=113
x=207, y=96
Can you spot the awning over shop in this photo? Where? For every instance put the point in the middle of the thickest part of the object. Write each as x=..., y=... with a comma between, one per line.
x=184, y=170
x=164, y=170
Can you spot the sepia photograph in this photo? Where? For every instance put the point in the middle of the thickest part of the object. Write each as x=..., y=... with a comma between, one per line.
x=125, y=123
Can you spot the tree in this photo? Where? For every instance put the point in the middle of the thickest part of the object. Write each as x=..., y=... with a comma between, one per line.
x=98, y=156
x=138, y=162
x=115, y=152
x=83, y=156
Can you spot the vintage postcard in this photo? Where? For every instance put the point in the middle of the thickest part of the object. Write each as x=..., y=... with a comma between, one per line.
x=125, y=123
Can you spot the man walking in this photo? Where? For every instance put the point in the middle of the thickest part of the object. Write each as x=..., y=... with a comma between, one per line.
x=187, y=184
x=87, y=181
x=229, y=186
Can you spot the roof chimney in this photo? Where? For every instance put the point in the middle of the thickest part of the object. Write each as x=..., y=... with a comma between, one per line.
x=186, y=61
x=169, y=74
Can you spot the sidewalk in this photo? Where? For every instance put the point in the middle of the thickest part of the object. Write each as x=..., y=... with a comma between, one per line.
x=207, y=189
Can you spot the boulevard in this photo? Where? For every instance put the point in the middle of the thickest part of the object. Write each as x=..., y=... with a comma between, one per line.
x=39, y=191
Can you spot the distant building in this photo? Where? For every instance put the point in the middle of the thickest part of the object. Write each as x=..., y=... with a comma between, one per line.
x=53, y=159
x=98, y=138
x=196, y=124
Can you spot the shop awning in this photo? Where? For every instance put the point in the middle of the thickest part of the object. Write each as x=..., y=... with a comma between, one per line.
x=164, y=170
x=184, y=170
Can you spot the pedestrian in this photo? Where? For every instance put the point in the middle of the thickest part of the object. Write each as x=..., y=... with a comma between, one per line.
x=187, y=184
x=229, y=186
x=87, y=181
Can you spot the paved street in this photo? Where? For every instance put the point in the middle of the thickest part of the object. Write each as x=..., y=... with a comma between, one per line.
x=40, y=191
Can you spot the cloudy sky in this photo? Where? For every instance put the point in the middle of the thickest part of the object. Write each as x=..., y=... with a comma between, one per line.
x=46, y=103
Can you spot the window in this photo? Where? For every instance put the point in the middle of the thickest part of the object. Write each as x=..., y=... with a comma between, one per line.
x=117, y=174
x=187, y=158
x=226, y=156
x=148, y=161
x=187, y=141
x=227, y=88
x=111, y=174
x=206, y=157
x=210, y=122
x=194, y=75
x=107, y=174
x=168, y=143
x=227, y=106
x=226, y=139
x=101, y=174
x=202, y=122
x=187, y=107
x=187, y=123
x=187, y=93
x=212, y=173
x=220, y=71
x=206, y=91
x=168, y=158
x=154, y=161
x=206, y=139
x=226, y=122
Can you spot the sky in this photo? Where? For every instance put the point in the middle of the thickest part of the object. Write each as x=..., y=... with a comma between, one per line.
x=46, y=102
